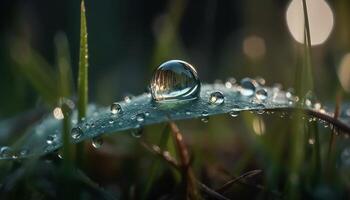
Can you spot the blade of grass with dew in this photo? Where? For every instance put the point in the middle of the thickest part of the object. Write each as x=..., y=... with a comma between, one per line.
x=82, y=76
x=83, y=66
x=36, y=70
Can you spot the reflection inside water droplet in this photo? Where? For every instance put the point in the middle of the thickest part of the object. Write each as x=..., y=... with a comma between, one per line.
x=216, y=98
x=175, y=80
x=116, y=108
x=76, y=133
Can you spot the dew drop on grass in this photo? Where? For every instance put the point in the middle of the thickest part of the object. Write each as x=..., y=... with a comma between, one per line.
x=136, y=133
x=140, y=117
x=127, y=99
x=76, y=133
x=146, y=113
x=260, y=109
x=204, y=117
x=175, y=80
x=97, y=142
x=5, y=151
x=234, y=112
x=116, y=108
x=230, y=82
x=24, y=152
x=50, y=139
x=248, y=86
x=261, y=94
x=216, y=98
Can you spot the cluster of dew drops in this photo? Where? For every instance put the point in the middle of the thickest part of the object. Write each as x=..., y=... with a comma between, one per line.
x=177, y=80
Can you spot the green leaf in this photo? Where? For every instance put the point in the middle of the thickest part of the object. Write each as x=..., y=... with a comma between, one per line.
x=83, y=65
x=101, y=121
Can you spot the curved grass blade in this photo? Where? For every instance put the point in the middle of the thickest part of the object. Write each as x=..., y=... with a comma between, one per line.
x=141, y=111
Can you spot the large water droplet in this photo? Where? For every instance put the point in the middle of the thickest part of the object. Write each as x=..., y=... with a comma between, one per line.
x=216, y=98
x=248, y=86
x=175, y=80
x=116, y=108
x=97, y=142
x=76, y=133
x=261, y=94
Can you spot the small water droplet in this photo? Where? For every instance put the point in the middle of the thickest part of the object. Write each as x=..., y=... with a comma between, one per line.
x=216, y=98
x=140, y=117
x=127, y=99
x=24, y=152
x=76, y=133
x=261, y=94
x=188, y=113
x=116, y=108
x=97, y=142
x=137, y=132
x=234, y=112
x=175, y=80
x=248, y=86
x=230, y=82
x=260, y=80
x=5, y=151
x=50, y=139
x=204, y=117
x=147, y=113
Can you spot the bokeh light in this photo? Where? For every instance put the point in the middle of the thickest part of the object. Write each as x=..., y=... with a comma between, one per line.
x=320, y=17
x=344, y=72
x=254, y=47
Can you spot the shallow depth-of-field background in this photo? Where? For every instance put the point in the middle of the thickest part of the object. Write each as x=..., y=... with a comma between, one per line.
x=127, y=40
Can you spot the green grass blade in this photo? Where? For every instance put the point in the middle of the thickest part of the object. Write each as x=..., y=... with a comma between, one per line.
x=36, y=70
x=83, y=66
x=82, y=78
x=64, y=67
